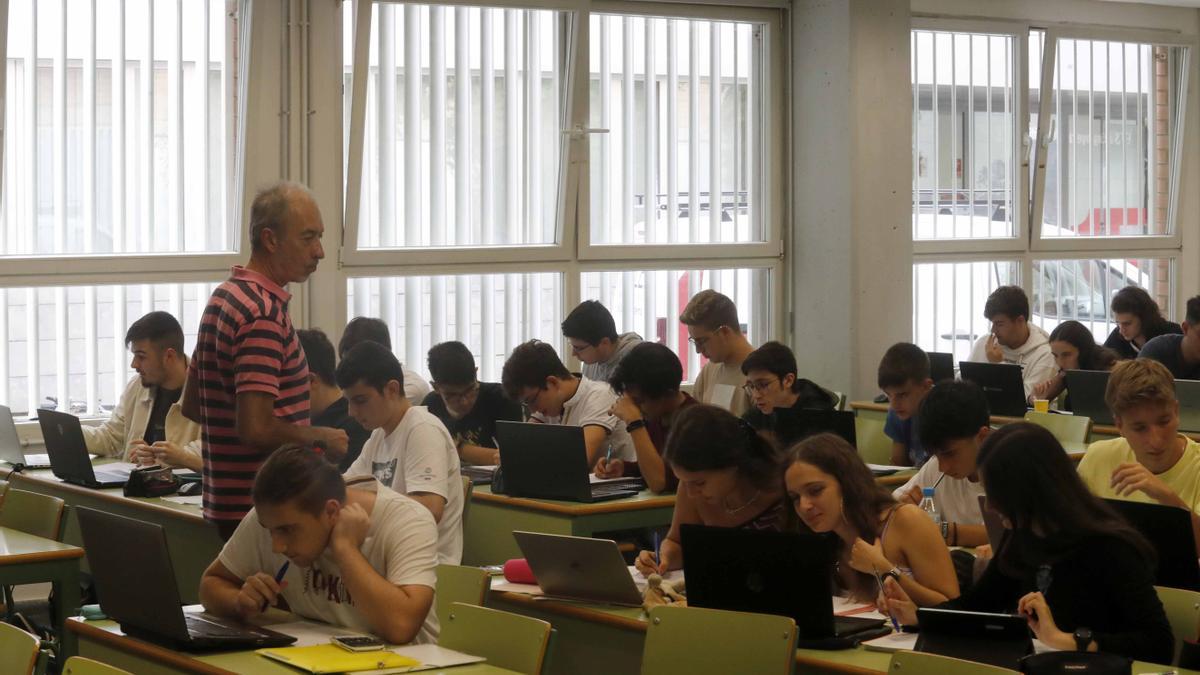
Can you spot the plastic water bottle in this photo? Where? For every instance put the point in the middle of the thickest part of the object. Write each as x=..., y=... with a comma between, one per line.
x=929, y=507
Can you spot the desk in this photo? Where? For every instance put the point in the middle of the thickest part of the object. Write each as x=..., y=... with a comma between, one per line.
x=26, y=559
x=104, y=642
x=487, y=535
x=602, y=639
x=193, y=542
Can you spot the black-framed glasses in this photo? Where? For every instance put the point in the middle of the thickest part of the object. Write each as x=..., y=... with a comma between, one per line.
x=463, y=395
x=759, y=387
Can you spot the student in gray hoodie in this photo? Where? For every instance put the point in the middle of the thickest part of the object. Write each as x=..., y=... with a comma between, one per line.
x=592, y=332
x=1013, y=339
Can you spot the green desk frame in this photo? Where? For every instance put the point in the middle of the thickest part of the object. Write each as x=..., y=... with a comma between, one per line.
x=33, y=560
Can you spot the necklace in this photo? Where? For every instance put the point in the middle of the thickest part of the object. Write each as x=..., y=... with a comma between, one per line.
x=730, y=511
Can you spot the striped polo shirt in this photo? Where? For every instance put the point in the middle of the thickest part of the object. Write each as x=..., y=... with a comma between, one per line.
x=246, y=343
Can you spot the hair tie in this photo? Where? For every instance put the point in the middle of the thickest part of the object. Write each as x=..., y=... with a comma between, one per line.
x=318, y=448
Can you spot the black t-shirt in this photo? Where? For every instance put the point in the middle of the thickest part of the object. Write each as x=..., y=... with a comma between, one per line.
x=337, y=416
x=156, y=427
x=477, y=427
x=1125, y=349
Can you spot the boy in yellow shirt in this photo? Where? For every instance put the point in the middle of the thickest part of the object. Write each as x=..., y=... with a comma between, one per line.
x=1151, y=462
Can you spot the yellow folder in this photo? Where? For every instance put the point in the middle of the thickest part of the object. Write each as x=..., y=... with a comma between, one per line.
x=331, y=658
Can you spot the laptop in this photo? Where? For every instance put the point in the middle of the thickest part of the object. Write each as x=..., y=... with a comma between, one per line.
x=140, y=592
x=579, y=568
x=1188, y=394
x=941, y=366
x=549, y=461
x=479, y=475
x=1086, y=388
x=1001, y=384
x=996, y=639
x=800, y=424
x=11, y=452
x=1169, y=531
x=780, y=573
x=69, y=458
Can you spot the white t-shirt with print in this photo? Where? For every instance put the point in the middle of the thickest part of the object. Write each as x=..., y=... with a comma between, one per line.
x=419, y=456
x=589, y=407
x=400, y=545
x=957, y=499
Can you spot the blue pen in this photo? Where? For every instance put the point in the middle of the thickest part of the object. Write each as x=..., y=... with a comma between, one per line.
x=278, y=579
x=657, y=548
x=879, y=580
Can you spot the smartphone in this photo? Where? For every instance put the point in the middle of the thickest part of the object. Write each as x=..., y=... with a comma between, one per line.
x=358, y=643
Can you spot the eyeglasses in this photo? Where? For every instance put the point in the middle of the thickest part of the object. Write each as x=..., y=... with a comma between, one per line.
x=701, y=341
x=577, y=348
x=463, y=395
x=529, y=403
x=759, y=387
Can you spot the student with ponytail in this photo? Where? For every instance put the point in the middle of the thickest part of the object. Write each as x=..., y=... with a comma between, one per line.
x=729, y=476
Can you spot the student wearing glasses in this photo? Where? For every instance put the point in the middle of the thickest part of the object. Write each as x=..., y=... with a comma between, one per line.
x=469, y=408
x=537, y=378
x=712, y=326
x=592, y=334
x=778, y=393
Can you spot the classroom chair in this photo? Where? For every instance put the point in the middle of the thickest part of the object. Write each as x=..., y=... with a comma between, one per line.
x=458, y=583
x=18, y=650
x=874, y=446
x=32, y=513
x=1066, y=428
x=3, y=491
x=1183, y=613
x=506, y=640
x=919, y=663
x=78, y=665
x=750, y=643
x=468, y=488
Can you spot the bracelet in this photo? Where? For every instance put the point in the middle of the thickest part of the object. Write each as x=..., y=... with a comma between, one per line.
x=635, y=425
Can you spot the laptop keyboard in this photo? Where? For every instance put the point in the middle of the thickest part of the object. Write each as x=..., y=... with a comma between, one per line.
x=611, y=490
x=199, y=626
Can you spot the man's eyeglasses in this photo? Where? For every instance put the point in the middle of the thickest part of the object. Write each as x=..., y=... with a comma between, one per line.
x=577, y=348
x=701, y=341
x=758, y=387
x=529, y=402
x=463, y=395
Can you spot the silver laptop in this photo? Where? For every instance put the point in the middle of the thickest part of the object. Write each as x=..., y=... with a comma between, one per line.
x=579, y=568
x=11, y=452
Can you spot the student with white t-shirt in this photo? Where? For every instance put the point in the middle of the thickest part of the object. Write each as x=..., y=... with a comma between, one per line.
x=356, y=555
x=409, y=450
x=534, y=376
x=951, y=423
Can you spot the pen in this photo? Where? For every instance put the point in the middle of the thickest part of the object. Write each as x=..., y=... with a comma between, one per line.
x=879, y=580
x=278, y=578
x=608, y=456
x=658, y=548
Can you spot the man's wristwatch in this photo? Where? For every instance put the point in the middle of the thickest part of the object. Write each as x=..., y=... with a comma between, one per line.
x=1083, y=638
x=635, y=425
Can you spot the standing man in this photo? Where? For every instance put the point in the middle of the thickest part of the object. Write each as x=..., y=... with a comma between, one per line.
x=592, y=334
x=712, y=325
x=248, y=380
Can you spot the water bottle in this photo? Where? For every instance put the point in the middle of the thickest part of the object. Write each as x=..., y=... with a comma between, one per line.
x=929, y=507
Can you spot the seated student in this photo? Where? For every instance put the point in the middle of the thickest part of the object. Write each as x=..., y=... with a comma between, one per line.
x=778, y=393
x=954, y=421
x=363, y=328
x=1138, y=320
x=1151, y=462
x=326, y=405
x=1079, y=573
x=712, y=325
x=147, y=426
x=903, y=376
x=467, y=407
x=1073, y=348
x=1013, y=339
x=729, y=476
x=361, y=556
x=647, y=381
x=592, y=334
x=409, y=449
x=832, y=490
x=534, y=375
x=1179, y=353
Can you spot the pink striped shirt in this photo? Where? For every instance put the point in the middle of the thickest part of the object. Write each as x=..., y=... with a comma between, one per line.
x=246, y=343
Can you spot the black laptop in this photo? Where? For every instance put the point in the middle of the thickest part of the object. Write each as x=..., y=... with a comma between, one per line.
x=1086, y=388
x=69, y=458
x=1169, y=531
x=797, y=425
x=140, y=593
x=1001, y=384
x=996, y=639
x=11, y=452
x=549, y=461
x=941, y=366
x=780, y=573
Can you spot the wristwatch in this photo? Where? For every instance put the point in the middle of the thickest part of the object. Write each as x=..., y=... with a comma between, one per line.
x=1083, y=638
x=945, y=531
x=635, y=425
x=893, y=573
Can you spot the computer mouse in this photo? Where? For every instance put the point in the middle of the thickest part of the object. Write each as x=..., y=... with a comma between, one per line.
x=191, y=488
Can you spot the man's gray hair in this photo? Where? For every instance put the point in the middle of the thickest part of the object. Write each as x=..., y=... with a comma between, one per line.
x=271, y=207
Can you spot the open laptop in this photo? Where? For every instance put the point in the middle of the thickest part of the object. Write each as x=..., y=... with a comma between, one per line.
x=801, y=424
x=941, y=366
x=780, y=573
x=1001, y=384
x=69, y=458
x=579, y=568
x=549, y=461
x=1086, y=388
x=1169, y=531
x=11, y=452
x=996, y=639
x=1188, y=394
x=139, y=591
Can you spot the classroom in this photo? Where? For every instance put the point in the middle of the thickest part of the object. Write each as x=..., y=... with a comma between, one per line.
x=388, y=336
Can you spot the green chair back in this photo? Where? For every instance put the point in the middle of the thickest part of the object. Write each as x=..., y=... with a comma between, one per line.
x=78, y=665
x=468, y=489
x=1183, y=613
x=3, y=491
x=874, y=446
x=920, y=663
x=1066, y=428
x=32, y=513
x=18, y=650
x=749, y=643
x=456, y=583
x=506, y=640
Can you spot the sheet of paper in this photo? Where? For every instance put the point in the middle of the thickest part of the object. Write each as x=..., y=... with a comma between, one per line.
x=672, y=576
x=186, y=499
x=309, y=633
x=887, y=467
x=722, y=396
x=510, y=587
x=892, y=642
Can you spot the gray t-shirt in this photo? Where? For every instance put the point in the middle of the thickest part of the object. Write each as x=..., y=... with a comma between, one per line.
x=602, y=370
x=1166, y=349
